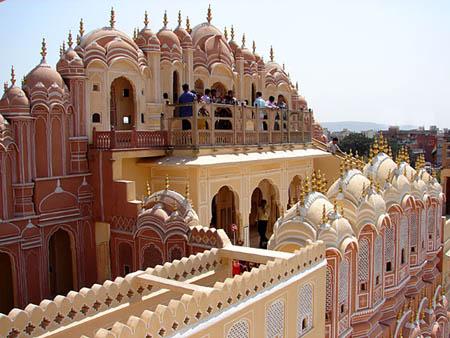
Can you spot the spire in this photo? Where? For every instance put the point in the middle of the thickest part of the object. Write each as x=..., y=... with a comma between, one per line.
x=149, y=189
x=187, y=193
x=232, y=33
x=296, y=85
x=254, y=47
x=180, y=21
x=324, y=214
x=5, y=86
x=146, y=22
x=306, y=187
x=81, y=30
x=188, y=25
x=69, y=39
x=313, y=181
x=243, y=41
x=165, y=22
x=78, y=39
x=43, y=49
x=283, y=66
x=271, y=54
x=134, y=34
x=60, y=51
x=112, y=20
x=209, y=15
x=167, y=182
x=225, y=33
x=13, y=77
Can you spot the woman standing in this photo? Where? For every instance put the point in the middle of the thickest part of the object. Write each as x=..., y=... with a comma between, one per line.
x=263, y=218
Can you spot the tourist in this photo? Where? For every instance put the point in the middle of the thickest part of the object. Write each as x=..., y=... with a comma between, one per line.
x=206, y=98
x=281, y=104
x=166, y=98
x=229, y=98
x=214, y=98
x=186, y=99
x=262, y=219
x=332, y=146
x=271, y=102
x=259, y=101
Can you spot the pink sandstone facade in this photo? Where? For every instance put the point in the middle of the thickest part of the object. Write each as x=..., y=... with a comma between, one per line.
x=86, y=153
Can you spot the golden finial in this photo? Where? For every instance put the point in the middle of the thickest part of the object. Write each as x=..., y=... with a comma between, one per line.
x=390, y=151
x=13, y=76
x=342, y=210
x=146, y=22
x=43, y=49
x=271, y=54
x=180, y=21
x=243, y=41
x=254, y=47
x=364, y=190
x=282, y=211
x=342, y=168
x=187, y=192
x=375, y=147
x=112, y=20
x=81, y=29
x=324, y=215
x=165, y=21
x=225, y=33
x=188, y=25
x=78, y=39
x=149, y=189
x=301, y=197
x=232, y=33
x=313, y=182
x=175, y=207
x=319, y=181
x=306, y=185
x=167, y=182
x=209, y=15
x=69, y=39
x=335, y=206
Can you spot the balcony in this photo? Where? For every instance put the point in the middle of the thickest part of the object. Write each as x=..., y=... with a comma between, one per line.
x=214, y=125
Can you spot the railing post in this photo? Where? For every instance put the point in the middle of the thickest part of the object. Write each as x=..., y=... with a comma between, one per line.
x=113, y=138
x=133, y=137
x=244, y=123
x=94, y=137
x=195, y=124
x=258, y=124
x=213, y=123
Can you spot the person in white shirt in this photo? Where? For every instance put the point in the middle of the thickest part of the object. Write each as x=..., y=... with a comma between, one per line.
x=206, y=98
x=260, y=103
x=332, y=146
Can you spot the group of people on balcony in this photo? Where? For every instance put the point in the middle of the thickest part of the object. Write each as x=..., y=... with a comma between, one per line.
x=188, y=97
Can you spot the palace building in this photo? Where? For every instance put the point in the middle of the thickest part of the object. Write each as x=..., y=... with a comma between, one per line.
x=126, y=214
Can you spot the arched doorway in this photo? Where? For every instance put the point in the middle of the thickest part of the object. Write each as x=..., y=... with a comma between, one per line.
x=152, y=257
x=294, y=191
x=199, y=87
x=220, y=88
x=268, y=192
x=61, y=263
x=125, y=259
x=6, y=283
x=122, y=105
x=175, y=86
x=224, y=210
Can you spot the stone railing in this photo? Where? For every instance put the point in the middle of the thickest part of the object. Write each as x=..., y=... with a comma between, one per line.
x=77, y=307
x=214, y=125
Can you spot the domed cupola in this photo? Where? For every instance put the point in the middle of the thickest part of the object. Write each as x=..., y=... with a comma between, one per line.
x=14, y=101
x=43, y=76
x=170, y=44
x=183, y=34
x=146, y=40
x=70, y=63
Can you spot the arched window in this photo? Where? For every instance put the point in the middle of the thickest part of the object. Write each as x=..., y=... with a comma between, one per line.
x=413, y=236
x=305, y=309
x=389, y=248
x=404, y=240
x=122, y=104
x=275, y=319
x=329, y=293
x=199, y=87
x=343, y=285
x=152, y=257
x=378, y=260
x=175, y=252
x=363, y=266
x=6, y=283
x=240, y=329
x=125, y=259
x=96, y=118
x=60, y=263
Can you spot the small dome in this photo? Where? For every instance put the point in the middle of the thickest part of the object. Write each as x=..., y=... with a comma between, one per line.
x=217, y=50
x=302, y=102
x=104, y=35
x=119, y=43
x=14, y=100
x=184, y=37
x=70, y=59
x=45, y=74
x=202, y=32
x=170, y=45
x=147, y=40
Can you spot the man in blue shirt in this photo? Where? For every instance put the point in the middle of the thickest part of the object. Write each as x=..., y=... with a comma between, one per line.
x=186, y=111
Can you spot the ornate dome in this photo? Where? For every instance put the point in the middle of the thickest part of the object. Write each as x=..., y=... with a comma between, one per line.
x=70, y=62
x=202, y=32
x=170, y=45
x=217, y=50
x=147, y=40
x=104, y=35
x=14, y=99
x=182, y=34
x=45, y=74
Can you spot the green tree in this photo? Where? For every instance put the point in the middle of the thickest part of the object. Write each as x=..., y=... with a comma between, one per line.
x=356, y=141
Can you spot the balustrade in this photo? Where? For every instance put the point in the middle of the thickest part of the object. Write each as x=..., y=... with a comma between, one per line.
x=213, y=125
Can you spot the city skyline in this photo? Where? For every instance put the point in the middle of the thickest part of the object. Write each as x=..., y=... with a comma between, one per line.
x=377, y=61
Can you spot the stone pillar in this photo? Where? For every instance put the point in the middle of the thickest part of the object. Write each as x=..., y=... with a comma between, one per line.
x=102, y=237
x=154, y=61
x=188, y=59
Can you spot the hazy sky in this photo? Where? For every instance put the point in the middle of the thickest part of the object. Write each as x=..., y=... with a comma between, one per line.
x=384, y=61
